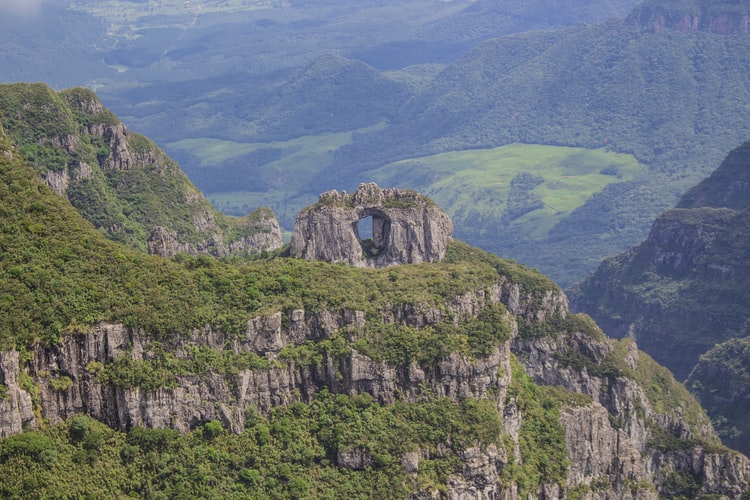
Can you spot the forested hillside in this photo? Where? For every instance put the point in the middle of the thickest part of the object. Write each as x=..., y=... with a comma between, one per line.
x=120, y=181
x=685, y=289
x=282, y=378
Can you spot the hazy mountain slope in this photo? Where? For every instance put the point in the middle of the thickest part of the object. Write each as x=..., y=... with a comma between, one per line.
x=663, y=97
x=685, y=288
x=491, y=18
x=290, y=378
x=725, y=17
x=44, y=41
x=120, y=181
x=720, y=381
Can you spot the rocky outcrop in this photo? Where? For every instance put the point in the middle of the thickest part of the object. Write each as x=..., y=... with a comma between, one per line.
x=609, y=436
x=259, y=231
x=721, y=20
x=16, y=409
x=407, y=228
x=122, y=182
x=684, y=291
x=613, y=442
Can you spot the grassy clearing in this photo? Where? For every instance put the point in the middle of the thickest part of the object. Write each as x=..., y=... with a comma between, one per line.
x=473, y=186
x=475, y=183
x=286, y=185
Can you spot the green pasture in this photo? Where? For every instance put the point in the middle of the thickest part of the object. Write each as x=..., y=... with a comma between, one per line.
x=291, y=182
x=474, y=184
x=307, y=149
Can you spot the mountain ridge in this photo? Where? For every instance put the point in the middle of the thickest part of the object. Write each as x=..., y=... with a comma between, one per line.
x=691, y=16
x=303, y=364
x=121, y=181
x=684, y=291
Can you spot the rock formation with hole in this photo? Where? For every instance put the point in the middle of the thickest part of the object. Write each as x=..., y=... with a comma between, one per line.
x=407, y=228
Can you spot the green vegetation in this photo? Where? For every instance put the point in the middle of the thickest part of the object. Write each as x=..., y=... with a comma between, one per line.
x=402, y=345
x=476, y=186
x=259, y=172
x=541, y=437
x=161, y=369
x=293, y=453
x=59, y=276
x=719, y=380
x=121, y=182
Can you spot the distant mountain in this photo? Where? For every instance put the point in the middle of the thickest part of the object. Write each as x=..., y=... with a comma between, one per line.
x=721, y=381
x=120, y=181
x=485, y=19
x=663, y=97
x=687, y=16
x=685, y=289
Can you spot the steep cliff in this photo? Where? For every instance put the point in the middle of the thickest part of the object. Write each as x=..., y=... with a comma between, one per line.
x=120, y=181
x=465, y=378
x=684, y=289
x=721, y=383
x=722, y=18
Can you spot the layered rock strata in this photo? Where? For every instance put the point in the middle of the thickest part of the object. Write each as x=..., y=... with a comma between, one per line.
x=610, y=432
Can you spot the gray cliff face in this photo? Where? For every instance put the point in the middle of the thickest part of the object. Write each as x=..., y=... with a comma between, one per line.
x=407, y=228
x=198, y=399
x=16, y=409
x=129, y=188
x=609, y=437
x=612, y=442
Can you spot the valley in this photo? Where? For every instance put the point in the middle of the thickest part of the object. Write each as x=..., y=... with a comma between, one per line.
x=192, y=305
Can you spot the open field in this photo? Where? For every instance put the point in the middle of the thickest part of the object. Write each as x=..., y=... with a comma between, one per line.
x=478, y=182
x=473, y=186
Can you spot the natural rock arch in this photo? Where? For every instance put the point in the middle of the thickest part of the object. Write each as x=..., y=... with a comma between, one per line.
x=407, y=228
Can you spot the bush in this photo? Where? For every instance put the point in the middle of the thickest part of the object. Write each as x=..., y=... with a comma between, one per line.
x=212, y=429
x=79, y=426
x=30, y=444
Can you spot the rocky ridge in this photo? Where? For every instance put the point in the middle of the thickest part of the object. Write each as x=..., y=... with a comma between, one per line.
x=722, y=19
x=472, y=328
x=612, y=425
x=684, y=290
x=121, y=181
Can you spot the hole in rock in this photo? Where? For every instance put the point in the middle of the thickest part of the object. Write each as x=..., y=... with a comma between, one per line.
x=372, y=231
x=364, y=228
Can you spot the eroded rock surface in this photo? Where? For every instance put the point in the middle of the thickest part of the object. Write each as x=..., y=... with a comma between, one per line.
x=407, y=228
